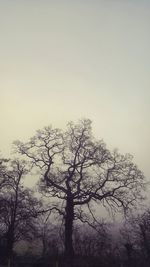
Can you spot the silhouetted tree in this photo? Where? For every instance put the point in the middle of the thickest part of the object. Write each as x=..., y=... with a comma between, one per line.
x=78, y=170
x=3, y=178
x=18, y=207
x=140, y=227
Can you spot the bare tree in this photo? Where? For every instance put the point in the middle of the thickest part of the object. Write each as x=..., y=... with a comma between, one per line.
x=77, y=170
x=3, y=166
x=17, y=206
x=144, y=225
x=140, y=228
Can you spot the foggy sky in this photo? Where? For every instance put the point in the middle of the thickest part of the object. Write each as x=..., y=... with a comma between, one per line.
x=66, y=60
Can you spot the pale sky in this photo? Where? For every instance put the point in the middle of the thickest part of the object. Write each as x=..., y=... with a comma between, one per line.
x=64, y=60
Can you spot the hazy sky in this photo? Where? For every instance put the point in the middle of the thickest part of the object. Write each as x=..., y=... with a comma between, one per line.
x=65, y=60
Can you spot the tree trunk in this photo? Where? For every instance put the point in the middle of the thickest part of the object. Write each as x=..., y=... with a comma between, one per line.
x=9, y=253
x=10, y=244
x=69, y=251
x=129, y=251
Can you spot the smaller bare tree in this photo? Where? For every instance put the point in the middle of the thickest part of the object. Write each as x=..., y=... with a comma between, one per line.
x=18, y=207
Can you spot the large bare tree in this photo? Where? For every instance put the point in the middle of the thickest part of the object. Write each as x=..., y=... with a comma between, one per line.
x=78, y=170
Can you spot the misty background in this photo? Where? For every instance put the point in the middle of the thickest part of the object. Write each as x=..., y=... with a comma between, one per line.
x=66, y=60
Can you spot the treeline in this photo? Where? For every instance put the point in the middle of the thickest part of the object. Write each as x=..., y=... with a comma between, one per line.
x=77, y=175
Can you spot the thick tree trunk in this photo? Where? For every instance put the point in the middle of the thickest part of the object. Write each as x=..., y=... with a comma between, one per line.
x=69, y=251
x=10, y=244
x=10, y=253
x=129, y=251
